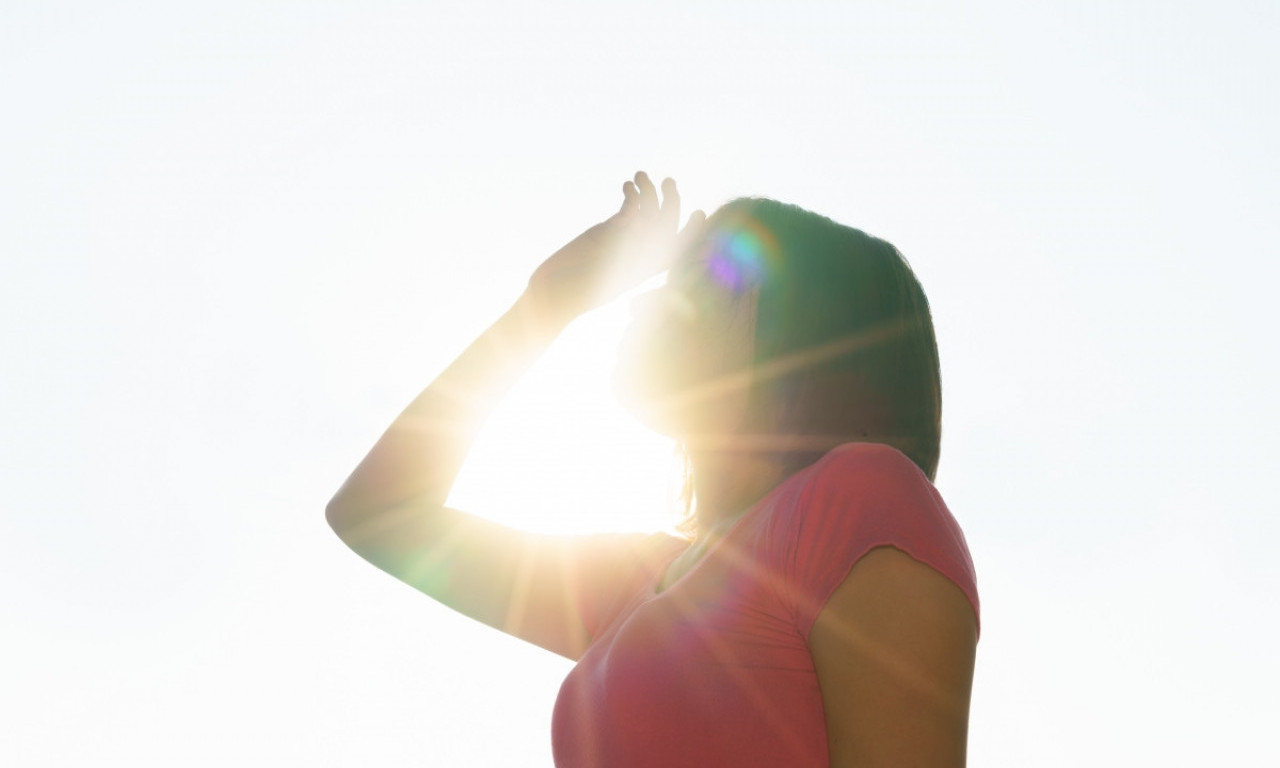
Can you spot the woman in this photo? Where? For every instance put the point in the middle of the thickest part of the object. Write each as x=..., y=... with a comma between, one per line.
x=823, y=609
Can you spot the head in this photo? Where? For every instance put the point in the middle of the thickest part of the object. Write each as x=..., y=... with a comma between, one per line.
x=782, y=333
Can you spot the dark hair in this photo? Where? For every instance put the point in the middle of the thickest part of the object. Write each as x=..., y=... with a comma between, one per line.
x=844, y=343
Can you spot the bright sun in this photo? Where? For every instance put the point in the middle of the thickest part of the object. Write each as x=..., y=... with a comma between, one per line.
x=560, y=455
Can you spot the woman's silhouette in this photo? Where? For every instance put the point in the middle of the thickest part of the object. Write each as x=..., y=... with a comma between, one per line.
x=823, y=609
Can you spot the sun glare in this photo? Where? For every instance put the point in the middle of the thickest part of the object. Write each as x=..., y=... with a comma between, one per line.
x=560, y=455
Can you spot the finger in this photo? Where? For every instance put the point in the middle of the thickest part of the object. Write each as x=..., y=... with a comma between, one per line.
x=630, y=197
x=692, y=232
x=670, y=204
x=648, y=194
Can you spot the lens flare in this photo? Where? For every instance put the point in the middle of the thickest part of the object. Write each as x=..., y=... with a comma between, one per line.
x=741, y=257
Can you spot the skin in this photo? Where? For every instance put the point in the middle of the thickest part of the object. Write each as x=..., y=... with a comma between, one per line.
x=685, y=370
x=391, y=509
x=894, y=647
x=894, y=652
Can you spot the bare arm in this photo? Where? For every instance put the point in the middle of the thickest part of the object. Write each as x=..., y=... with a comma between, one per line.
x=420, y=455
x=894, y=652
x=391, y=509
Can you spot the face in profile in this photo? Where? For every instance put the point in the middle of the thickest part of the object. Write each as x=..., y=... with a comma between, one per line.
x=684, y=364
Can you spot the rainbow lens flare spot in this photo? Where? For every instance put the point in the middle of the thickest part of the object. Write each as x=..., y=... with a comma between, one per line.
x=739, y=257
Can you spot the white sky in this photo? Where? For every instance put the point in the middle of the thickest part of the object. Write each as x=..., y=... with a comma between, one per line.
x=236, y=239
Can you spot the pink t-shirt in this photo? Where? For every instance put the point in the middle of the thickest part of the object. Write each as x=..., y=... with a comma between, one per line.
x=716, y=670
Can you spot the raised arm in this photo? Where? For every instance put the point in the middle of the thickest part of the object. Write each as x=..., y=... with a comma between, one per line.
x=391, y=510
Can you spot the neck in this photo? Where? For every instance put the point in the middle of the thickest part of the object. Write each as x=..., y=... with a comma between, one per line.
x=727, y=483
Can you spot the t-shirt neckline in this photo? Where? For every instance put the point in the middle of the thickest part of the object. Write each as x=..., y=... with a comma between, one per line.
x=654, y=592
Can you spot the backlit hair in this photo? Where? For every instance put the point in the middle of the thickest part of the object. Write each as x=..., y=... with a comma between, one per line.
x=844, y=343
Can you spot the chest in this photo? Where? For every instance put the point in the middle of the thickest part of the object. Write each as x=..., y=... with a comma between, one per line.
x=681, y=565
x=715, y=657
x=724, y=609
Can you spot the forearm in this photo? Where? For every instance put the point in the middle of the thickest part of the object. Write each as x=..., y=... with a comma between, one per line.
x=420, y=454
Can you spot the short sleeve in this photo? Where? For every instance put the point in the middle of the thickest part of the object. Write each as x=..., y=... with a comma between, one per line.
x=612, y=568
x=861, y=496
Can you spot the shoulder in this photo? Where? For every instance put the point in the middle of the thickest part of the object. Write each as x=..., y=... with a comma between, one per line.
x=859, y=490
x=849, y=472
x=877, y=492
x=857, y=497
x=870, y=468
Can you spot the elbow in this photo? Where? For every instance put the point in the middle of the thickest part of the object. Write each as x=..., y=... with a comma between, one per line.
x=340, y=516
x=355, y=518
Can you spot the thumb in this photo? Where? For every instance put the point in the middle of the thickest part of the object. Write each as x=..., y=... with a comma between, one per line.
x=692, y=232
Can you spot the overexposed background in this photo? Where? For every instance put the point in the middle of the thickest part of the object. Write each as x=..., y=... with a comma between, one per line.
x=237, y=237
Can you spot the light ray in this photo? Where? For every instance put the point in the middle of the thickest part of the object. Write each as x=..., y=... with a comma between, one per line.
x=778, y=366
